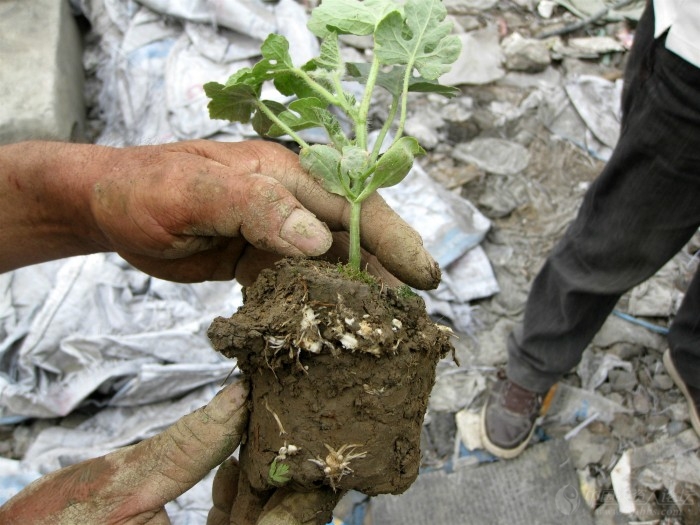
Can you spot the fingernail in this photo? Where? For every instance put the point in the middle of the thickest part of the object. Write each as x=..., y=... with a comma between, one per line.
x=307, y=233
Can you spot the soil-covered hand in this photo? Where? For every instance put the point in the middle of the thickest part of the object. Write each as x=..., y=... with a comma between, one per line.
x=188, y=211
x=237, y=503
x=132, y=485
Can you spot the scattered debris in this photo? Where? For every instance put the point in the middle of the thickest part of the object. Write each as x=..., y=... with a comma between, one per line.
x=508, y=163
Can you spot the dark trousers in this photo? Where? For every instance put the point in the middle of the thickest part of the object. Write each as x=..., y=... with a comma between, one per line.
x=641, y=210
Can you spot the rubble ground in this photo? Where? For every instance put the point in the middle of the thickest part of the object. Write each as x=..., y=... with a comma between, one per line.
x=619, y=398
x=537, y=117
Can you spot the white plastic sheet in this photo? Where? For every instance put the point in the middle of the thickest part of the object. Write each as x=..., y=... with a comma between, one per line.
x=92, y=332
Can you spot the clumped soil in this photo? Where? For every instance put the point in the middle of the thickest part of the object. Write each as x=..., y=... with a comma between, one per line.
x=340, y=371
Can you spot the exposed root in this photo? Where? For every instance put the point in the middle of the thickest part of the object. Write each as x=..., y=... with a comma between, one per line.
x=337, y=462
x=277, y=418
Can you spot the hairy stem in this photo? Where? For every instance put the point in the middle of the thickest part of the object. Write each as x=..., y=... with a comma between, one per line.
x=274, y=118
x=385, y=129
x=361, y=129
x=404, y=100
x=324, y=93
x=354, y=255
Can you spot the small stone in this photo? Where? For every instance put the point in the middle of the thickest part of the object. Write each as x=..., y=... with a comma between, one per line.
x=676, y=427
x=598, y=427
x=525, y=54
x=586, y=448
x=662, y=381
x=641, y=402
x=621, y=380
x=626, y=426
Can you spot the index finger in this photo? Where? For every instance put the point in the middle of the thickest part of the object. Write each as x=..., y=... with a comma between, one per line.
x=163, y=467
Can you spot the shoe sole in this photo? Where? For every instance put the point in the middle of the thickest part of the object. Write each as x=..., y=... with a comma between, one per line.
x=671, y=369
x=503, y=453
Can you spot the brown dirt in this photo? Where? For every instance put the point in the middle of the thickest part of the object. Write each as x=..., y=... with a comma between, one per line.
x=333, y=363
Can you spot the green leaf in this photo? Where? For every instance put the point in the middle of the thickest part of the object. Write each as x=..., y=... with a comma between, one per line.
x=422, y=41
x=301, y=114
x=277, y=66
x=323, y=162
x=278, y=473
x=392, y=80
x=349, y=16
x=421, y=85
x=262, y=124
x=353, y=163
x=393, y=166
x=276, y=57
x=332, y=127
x=329, y=59
x=244, y=76
x=235, y=102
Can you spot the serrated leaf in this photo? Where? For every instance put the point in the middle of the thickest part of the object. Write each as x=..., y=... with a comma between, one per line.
x=276, y=57
x=329, y=58
x=262, y=124
x=277, y=66
x=353, y=17
x=393, y=166
x=301, y=114
x=422, y=41
x=235, y=102
x=332, y=127
x=323, y=162
x=278, y=473
x=244, y=76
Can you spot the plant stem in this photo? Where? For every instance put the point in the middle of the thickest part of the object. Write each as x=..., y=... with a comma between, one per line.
x=355, y=255
x=274, y=118
x=324, y=93
x=404, y=100
x=385, y=129
x=361, y=128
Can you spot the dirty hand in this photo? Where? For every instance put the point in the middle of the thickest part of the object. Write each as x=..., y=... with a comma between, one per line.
x=132, y=485
x=237, y=503
x=188, y=211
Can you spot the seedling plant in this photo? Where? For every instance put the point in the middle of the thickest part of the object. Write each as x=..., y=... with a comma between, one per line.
x=412, y=47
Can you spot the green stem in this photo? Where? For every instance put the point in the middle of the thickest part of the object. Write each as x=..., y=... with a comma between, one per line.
x=355, y=255
x=404, y=100
x=274, y=118
x=324, y=93
x=385, y=129
x=361, y=129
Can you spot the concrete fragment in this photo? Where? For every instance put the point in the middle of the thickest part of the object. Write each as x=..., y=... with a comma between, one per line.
x=540, y=486
x=525, y=54
x=668, y=460
x=480, y=61
x=596, y=45
x=41, y=73
x=458, y=7
x=498, y=156
x=616, y=330
x=587, y=448
x=546, y=8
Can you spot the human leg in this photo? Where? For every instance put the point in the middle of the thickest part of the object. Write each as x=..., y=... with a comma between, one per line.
x=635, y=217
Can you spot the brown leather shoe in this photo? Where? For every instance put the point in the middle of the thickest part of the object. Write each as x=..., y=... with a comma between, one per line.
x=508, y=418
x=692, y=394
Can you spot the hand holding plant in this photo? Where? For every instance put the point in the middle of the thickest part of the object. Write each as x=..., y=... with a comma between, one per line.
x=413, y=46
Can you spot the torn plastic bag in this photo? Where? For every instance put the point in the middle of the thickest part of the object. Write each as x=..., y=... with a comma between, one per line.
x=98, y=321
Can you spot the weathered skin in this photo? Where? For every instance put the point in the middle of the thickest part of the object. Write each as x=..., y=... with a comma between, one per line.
x=133, y=484
x=187, y=212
